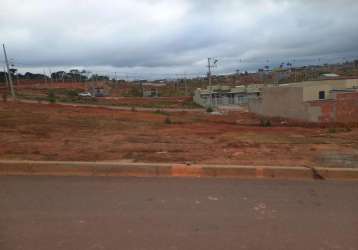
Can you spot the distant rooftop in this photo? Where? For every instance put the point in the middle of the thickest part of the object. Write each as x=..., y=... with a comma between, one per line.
x=330, y=75
x=320, y=82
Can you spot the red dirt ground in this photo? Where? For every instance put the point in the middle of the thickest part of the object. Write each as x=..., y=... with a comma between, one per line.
x=54, y=132
x=161, y=102
x=33, y=91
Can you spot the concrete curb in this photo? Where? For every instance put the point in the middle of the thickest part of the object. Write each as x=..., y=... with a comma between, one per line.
x=56, y=168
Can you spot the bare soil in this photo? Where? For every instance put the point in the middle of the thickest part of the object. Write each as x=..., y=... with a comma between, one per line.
x=54, y=132
x=40, y=92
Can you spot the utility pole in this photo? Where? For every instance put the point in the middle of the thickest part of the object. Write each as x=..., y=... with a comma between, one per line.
x=6, y=79
x=210, y=66
x=141, y=87
x=209, y=71
x=45, y=77
x=237, y=76
x=185, y=85
x=8, y=72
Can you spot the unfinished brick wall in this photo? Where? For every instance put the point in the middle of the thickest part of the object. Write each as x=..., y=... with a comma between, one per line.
x=344, y=109
x=327, y=110
x=347, y=107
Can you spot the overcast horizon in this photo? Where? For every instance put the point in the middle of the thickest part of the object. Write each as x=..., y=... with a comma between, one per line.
x=157, y=37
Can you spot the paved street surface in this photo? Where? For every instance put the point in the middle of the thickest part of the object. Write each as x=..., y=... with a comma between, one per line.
x=50, y=213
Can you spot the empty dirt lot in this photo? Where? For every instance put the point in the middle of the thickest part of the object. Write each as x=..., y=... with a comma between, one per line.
x=54, y=132
x=67, y=92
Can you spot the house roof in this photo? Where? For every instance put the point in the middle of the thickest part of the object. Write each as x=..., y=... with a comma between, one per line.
x=318, y=83
x=253, y=88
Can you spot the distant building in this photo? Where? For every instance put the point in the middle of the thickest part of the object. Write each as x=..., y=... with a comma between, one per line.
x=153, y=92
x=151, y=89
x=99, y=89
x=217, y=96
x=329, y=75
x=315, y=101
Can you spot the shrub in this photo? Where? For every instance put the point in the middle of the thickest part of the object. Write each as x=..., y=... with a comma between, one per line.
x=161, y=112
x=265, y=123
x=38, y=99
x=71, y=93
x=347, y=129
x=167, y=120
x=209, y=110
x=133, y=109
x=332, y=130
x=51, y=96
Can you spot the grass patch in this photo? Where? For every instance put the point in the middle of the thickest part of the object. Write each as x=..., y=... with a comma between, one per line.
x=160, y=112
x=167, y=120
x=51, y=96
x=265, y=123
x=334, y=130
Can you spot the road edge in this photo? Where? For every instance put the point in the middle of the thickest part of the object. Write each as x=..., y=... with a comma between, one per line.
x=57, y=168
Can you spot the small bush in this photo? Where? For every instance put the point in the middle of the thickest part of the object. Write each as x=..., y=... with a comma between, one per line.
x=347, y=129
x=71, y=93
x=265, y=123
x=209, y=110
x=38, y=99
x=51, y=97
x=332, y=130
x=167, y=120
x=133, y=109
x=161, y=112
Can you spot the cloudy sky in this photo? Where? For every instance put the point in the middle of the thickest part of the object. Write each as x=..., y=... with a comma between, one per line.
x=176, y=36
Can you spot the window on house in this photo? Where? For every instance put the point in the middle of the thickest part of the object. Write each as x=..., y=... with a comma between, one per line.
x=231, y=99
x=321, y=95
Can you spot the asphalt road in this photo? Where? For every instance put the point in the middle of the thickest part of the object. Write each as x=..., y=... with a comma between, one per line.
x=50, y=213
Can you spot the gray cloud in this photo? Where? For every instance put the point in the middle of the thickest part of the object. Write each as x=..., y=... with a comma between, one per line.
x=177, y=35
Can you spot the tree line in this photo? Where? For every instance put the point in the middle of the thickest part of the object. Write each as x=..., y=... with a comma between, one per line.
x=72, y=75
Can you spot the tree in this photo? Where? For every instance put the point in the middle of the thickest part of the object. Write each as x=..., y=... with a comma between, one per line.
x=31, y=76
x=59, y=75
x=74, y=71
x=99, y=77
x=356, y=63
x=3, y=76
